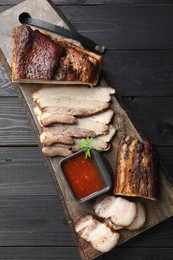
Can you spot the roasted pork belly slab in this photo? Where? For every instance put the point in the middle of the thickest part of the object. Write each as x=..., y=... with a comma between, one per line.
x=136, y=169
x=35, y=55
x=37, y=58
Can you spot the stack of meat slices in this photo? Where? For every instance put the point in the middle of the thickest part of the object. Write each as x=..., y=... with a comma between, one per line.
x=67, y=114
x=111, y=214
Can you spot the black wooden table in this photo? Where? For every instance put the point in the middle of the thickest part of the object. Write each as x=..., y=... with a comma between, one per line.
x=138, y=62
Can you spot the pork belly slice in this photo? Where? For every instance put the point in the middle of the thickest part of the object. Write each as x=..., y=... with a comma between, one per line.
x=51, y=151
x=38, y=58
x=140, y=218
x=83, y=222
x=102, y=94
x=102, y=141
x=121, y=211
x=35, y=55
x=75, y=103
x=49, y=119
x=99, y=234
x=46, y=119
x=53, y=118
x=48, y=139
x=112, y=225
x=84, y=127
x=136, y=169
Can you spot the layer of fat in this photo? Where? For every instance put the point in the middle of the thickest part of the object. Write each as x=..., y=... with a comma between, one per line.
x=140, y=217
x=100, y=93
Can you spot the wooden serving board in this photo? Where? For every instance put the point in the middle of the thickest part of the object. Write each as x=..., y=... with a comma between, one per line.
x=156, y=211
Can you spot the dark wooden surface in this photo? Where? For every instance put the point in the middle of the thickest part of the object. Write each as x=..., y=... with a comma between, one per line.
x=139, y=63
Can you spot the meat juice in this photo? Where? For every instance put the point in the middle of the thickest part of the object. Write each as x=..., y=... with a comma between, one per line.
x=83, y=176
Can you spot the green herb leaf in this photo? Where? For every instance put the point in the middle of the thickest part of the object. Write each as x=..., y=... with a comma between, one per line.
x=87, y=145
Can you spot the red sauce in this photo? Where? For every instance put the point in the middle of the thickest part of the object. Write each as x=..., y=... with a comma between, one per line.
x=83, y=176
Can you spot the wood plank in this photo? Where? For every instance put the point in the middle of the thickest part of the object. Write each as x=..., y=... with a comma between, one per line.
x=154, y=119
x=39, y=253
x=22, y=172
x=40, y=221
x=96, y=2
x=154, y=116
x=136, y=73
x=14, y=127
x=33, y=221
x=6, y=88
x=125, y=27
x=161, y=209
x=140, y=73
x=54, y=253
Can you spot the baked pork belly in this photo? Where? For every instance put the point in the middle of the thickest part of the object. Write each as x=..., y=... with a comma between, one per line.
x=136, y=169
x=102, y=94
x=140, y=217
x=35, y=55
x=97, y=233
x=63, y=104
x=83, y=128
x=52, y=142
x=120, y=211
x=39, y=58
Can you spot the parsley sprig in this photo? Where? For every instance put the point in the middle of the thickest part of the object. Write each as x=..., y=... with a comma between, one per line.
x=87, y=145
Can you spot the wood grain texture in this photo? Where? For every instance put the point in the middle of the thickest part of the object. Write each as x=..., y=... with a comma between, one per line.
x=40, y=220
x=22, y=172
x=6, y=88
x=96, y=2
x=54, y=253
x=123, y=125
x=158, y=126
x=159, y=236
x=132, y=73
x=22, y=169
x=140, y=73
x=154, y=119
x=125, y=27
x=14, y=127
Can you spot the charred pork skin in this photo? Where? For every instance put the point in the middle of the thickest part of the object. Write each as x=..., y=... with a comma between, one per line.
x=136, y=169
x=35, y=55
x=38, y=58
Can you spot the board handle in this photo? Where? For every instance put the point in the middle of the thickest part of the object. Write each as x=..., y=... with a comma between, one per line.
x=25, y=18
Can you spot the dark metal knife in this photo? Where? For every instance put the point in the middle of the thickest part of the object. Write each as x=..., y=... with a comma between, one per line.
x=25, y=18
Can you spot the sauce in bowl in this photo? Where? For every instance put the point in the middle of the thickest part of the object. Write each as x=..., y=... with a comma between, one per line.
x=83, y=176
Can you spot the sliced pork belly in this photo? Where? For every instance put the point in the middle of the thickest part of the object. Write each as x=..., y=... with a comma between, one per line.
x=75, y=111
x=49, y=138
x=48, y=119
x=140, y=218
x=99, y=94
x=51, y=151
x=83, y=222
x=121, y=211
x=72, y=103
x=99, y=234
x=84, y=127
x=112, y=225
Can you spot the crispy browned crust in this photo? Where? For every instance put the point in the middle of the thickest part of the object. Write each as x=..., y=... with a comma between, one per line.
x=78, y=64
x=35, y=55
x=136, y=169
x=39, y=57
